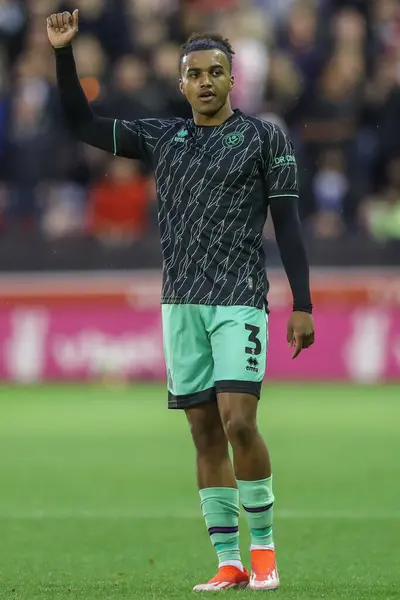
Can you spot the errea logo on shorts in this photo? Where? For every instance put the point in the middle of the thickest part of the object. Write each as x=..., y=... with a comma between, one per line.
x=181, y=135
x=252, y=365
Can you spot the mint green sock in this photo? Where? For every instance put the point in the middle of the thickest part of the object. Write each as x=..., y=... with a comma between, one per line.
x=220, y=508
x=257, y=500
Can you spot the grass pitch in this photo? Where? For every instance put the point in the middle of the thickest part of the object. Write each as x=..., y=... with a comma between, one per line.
x=98, y=497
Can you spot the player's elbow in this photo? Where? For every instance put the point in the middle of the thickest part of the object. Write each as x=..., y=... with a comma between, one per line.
x=288, y=231
x=83, y=131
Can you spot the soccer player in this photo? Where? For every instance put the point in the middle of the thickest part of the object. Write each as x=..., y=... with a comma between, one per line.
x=217, y=176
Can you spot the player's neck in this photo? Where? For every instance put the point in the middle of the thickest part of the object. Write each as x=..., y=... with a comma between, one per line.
x=220, y=117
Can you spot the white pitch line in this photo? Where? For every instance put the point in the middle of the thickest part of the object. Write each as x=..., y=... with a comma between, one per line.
x=349, y=515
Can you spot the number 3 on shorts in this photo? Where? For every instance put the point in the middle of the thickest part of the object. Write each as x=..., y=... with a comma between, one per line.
x=253, y=338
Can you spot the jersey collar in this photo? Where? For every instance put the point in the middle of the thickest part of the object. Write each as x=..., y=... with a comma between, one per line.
x=236, y=113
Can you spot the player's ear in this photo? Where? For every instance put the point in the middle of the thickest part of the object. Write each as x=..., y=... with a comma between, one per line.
x=232, y=82
x=181, y=87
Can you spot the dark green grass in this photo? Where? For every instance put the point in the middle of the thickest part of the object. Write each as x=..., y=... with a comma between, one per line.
x=98, y=496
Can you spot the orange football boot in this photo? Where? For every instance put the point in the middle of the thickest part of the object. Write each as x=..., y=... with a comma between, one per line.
x=228, y=577
x=264, y=572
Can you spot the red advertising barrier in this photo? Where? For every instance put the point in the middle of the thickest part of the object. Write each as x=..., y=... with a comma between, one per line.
x=348, y=287
x=85, y=342
x=82, y=326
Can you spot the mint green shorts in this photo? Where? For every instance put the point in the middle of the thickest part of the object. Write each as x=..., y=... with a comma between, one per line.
x=212, y=349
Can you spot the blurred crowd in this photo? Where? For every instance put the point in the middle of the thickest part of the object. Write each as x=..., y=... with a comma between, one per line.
x=328, y=71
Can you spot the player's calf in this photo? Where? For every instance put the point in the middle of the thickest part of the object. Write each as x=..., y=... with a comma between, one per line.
x=238, y=415
x=254, y=480
x=218, y=491
x=214, y=467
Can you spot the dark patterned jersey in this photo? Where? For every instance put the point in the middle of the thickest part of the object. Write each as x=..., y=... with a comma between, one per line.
x=213, y=186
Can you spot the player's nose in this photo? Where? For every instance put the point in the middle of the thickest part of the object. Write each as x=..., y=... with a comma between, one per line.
x=205, y=81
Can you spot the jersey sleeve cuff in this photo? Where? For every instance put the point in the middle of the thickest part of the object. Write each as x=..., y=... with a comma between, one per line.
x=283, y=193
x=307, y=308
x=63, y=50
x=115, y=145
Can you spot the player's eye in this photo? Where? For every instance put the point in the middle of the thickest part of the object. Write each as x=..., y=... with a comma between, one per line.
x=217, y=72
x=193, y=75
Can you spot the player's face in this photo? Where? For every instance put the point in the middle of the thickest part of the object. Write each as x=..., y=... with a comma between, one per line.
x=206, y=80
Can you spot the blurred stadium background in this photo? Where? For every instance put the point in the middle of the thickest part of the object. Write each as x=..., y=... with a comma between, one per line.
x=83, y=425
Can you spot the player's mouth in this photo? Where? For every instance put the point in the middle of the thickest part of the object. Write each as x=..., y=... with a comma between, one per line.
x=206, y=96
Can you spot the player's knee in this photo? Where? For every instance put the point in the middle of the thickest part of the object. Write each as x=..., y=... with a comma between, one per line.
x=209, y=442
x=240, y=431
x=207, y=437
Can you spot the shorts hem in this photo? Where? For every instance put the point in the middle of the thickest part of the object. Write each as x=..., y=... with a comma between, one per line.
x=239, y=387
x=185, y=401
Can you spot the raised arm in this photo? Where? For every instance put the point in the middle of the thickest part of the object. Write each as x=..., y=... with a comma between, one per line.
x=84, y=124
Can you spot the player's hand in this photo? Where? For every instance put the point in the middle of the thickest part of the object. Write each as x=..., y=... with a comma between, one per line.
x=300, y=332
x=62, y=28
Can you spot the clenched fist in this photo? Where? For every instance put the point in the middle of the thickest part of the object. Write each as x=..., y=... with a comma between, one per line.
x=62, y=28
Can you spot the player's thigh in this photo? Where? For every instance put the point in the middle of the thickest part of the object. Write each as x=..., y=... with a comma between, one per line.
x=188, y=356
x=239, y=342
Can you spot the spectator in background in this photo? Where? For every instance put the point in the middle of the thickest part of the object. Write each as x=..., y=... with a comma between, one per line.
x=332, y=112
x=4, y=106
x=299, y=39
x=62, y=210
x=148, y=23
x=379, y=134
x=325, y=70
x=132, y=95
x=3, y=205
x=105, y=20
x=386, y=26
x=166, y=70
x=248, y=32
x=277, y=11
x=12, y=24
x=285, y=87
x=381, y=213
x=33, y=148
x=210, y=7
x=331, y=189
x=383, y=106
x=350, y=31
x=118, y=206
x=194, y=19
x=92, y=65
x=331, y=115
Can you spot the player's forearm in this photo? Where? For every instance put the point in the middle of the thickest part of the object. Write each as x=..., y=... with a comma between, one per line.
x=292, y=250
x=82, y=121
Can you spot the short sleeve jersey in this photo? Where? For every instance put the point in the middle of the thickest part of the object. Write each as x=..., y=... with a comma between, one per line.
x=214, y=185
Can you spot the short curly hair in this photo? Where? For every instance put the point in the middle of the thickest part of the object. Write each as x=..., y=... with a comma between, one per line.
x=207, y=41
